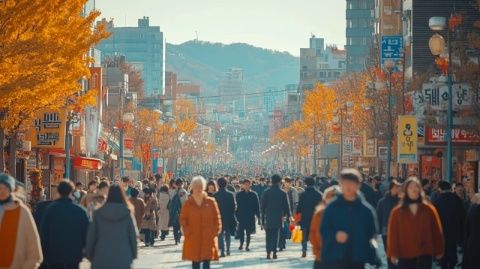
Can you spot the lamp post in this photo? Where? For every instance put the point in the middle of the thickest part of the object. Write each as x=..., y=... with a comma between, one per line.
x=437, y=47
x=314, y=161
x=344, y=108
x=389, y=66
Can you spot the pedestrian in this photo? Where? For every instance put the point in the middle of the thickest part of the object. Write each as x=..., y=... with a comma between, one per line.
x=314, y=235
x=163, y=214
x=64, y=230
x=91, y=192
x=175, y=209
x=79, y=192
x=20, y=242
x=348, y=227
x=384, y=208
x=275, y=210
x=471, y=259
x=125, y=184
x=149, y=224
x=414, y=230
x=212, y=188
x=459, y=190
x=138, y=206
x=201, y=223
x=248, y=206
x=377, y=194
x=98, y=199
x=112, y=234
x=367, y=191
x=308, y=201
x=260, y=187
x=293, y=198
x=227, y=206
x=452, y=214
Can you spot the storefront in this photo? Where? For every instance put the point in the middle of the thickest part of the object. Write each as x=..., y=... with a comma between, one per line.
x=86, y=168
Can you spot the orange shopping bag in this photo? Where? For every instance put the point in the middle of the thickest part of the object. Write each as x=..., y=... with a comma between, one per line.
x=297, y=235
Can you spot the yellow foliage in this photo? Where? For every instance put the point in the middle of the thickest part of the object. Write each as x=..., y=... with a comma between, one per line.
x=319, y=105
x=43, y=55
x=185, y=115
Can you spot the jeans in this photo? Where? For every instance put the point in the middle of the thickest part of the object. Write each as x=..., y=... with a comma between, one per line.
x=177, y=234
x=272, y=239
x=224, y=239
x=149, y=237
x=421, y=262
x=196, y=265
x=305, y=234
x=241, y=234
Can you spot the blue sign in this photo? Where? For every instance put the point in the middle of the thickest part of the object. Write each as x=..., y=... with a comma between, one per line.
x=392, y=48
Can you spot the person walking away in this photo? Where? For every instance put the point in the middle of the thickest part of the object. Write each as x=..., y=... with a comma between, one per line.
x=314, y=235
x=149, y=224
x=63, y=248
x=248, y=207
x=99, y=198
x=227, y=206
x=201, y=223
x=112, y=234
x=348, y=227
x=125, y=184
x=459, y=190
x=415, y=233
x=452, y=214
x=79, y=193
x=471, y=259
x=384, y=208
x=309, y=199
x=91, y=192
x=138, y=206
x=275, y=209
x=163, y=214
x=20, y=242
x=293, y=202
x=175, y=209
x=212, y=188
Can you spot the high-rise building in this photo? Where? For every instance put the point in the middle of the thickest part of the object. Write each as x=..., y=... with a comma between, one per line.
x=360, y=29
x=232, y=89
x=143, y=47
x=320, y=64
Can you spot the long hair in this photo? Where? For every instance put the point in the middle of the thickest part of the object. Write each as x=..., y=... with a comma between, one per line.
x=212, y=183
x=117, y=195
x=405, y=201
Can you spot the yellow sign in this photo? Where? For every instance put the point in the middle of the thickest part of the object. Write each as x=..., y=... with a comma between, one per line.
x=407, y=139
x=48, y=130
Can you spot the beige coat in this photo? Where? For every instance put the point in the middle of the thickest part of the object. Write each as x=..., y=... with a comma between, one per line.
x=28, y=251
x=150, y=217
x=164, y=215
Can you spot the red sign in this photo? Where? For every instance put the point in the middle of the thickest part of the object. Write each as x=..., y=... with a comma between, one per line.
x=102, y=145
x=87, y=163
x=128, y=143
x=459, y=136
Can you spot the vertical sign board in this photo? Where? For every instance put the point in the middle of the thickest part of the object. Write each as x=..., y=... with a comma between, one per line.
x=407, y=139
x=392, y=48
x=49, y=129
x=93, y=113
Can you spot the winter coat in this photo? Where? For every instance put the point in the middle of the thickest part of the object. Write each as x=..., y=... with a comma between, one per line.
x=139, y=210
x=308, y=201
x=314, y=235
x=227, y=206
x=201, y=226
x=174, y=210
x=27, y=253
x=150, y=218
x=384, y=208
x=369, y=194
x=452, y=215
x=61, y=245
x=87, y=199
x=248, y=207
x=259, y=189
x=471, y=257
x=112, y=238
x=410, y=236
x=357, y=220
x=275, y=207
x=293, y=199
x=164, y=215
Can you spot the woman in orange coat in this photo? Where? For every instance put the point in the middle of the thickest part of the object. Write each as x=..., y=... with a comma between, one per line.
x=201, y=224
x=315, y=237
x=415, y=234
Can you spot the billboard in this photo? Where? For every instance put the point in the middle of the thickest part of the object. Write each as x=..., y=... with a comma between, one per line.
x=407, y=139
x=49, y=129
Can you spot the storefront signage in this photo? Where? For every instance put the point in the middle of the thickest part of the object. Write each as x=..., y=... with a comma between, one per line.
x=369, y=146
x=48, y=130
x=460, y=136
x=87, y=163
x=407, y=139
x=352, y=145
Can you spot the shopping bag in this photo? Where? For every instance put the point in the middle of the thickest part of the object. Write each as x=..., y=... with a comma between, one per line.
x=297, y=235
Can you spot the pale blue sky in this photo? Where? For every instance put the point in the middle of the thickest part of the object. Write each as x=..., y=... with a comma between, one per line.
x=283, y=25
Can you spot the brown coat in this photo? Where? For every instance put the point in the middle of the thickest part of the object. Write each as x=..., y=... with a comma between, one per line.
x=139, y=210
x=201, y=226
x=411, y=235
x=314, y=236
x=150, y=218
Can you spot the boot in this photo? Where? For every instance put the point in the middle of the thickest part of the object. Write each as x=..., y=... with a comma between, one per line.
x=268, y=256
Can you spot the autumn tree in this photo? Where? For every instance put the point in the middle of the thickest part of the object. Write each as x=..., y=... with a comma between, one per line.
x=318, y=109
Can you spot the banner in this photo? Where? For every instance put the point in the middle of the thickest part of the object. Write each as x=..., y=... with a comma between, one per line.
x=93, y=113
x=49, y=129
x=407, y=139
x=369, y=146
x=352, y=145
x=460, y=136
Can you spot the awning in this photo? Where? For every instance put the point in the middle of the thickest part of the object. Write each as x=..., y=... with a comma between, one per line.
x=87, y=163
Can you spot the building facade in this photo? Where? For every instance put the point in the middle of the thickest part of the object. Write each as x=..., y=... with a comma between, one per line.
x=360, y=17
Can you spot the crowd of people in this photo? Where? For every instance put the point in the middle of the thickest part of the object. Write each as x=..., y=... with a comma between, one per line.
x=343, y=220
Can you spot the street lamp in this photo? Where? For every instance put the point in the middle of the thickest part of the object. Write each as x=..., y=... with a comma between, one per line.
x=437, y=47
x=389, y=66
x=127, y=117
x=338, y=119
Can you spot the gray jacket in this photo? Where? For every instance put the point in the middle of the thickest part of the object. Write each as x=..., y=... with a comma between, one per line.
x=112, y=238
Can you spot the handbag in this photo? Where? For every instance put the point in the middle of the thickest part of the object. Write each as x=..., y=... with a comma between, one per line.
x=297, y=235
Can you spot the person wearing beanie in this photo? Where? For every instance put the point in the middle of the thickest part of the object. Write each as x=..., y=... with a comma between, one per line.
x=20, y=242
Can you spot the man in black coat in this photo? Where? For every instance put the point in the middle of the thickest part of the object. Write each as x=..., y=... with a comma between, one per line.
x=63, y=230
x=367, y=192
x=227, y=206
x=247, y=208
x=452, y=214
x=307, y=203
x=275, y=208
x=384, y=208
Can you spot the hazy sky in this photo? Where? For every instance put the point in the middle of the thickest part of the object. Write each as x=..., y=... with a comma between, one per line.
x=283, y=25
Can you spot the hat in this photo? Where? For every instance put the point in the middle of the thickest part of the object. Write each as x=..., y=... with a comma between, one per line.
x=7, y=181
x=351, y=174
